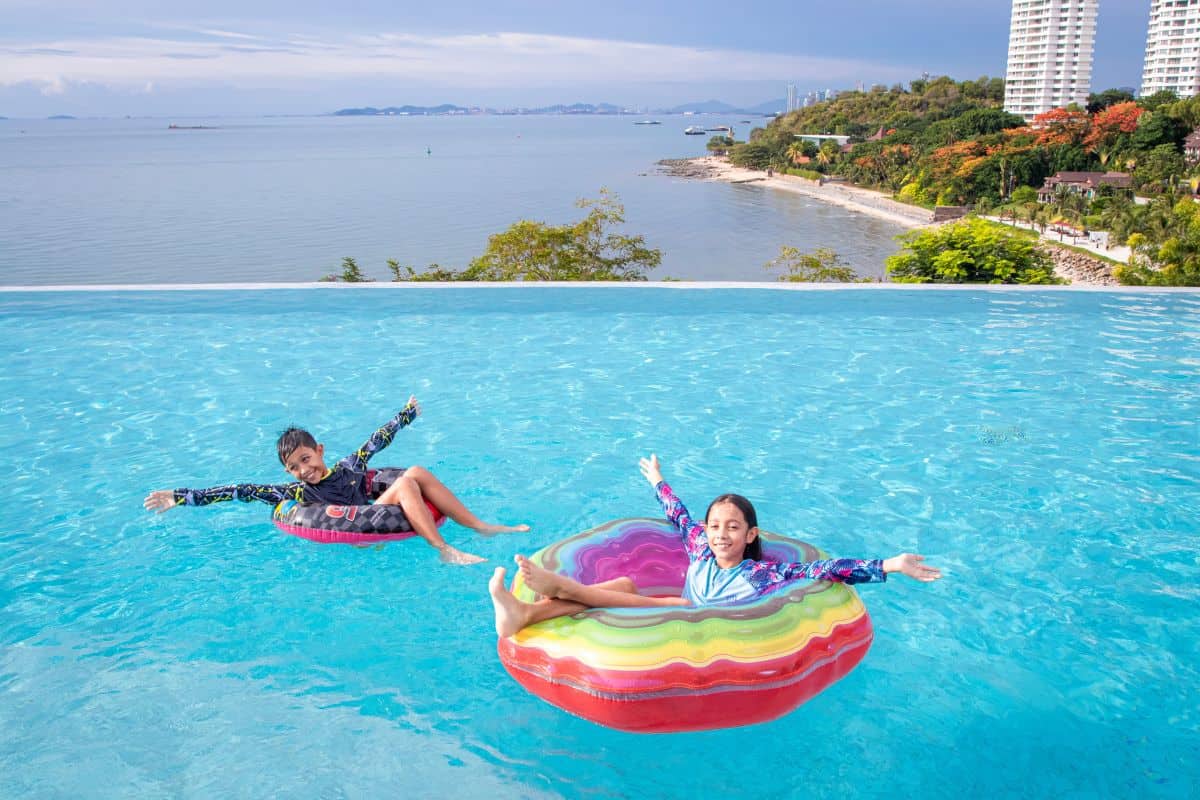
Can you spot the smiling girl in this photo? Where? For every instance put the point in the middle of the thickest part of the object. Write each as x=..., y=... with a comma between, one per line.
x=725, y=566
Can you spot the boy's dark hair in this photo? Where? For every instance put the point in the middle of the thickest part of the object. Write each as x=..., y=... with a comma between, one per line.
x=291, y=439
x=754, y=549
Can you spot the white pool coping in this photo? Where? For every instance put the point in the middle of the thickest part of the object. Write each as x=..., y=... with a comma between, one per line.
x=679, y=285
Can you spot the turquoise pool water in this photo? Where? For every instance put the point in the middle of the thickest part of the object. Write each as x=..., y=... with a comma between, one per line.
x=1041, y=446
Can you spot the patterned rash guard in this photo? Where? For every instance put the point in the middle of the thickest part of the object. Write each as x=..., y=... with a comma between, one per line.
x=707, y=583
x=344, y=485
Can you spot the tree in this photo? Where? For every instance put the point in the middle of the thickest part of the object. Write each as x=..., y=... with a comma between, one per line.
x=1024, y=194
x=350, y=273
x=1166, y=249
x=972, y=251
x=587, y=250
x=719, y=145
x=981, y=121
x=828, y=153
x=1159, y=168
x=1162, y=97
x=1107, y=98
x=822, y=265
x=1112, y=127
x=795, y=152
x=752, y=155
x=1061, y=126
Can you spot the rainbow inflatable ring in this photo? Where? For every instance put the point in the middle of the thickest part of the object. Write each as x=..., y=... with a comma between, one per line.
x=662, y=670
x=350, y=524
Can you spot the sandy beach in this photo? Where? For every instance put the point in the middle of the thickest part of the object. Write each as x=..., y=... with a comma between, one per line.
x=852, y=198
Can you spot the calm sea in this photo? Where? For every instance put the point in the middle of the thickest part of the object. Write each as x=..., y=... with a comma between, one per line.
x=131, y=201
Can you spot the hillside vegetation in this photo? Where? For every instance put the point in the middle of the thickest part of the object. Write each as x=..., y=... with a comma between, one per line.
x=947, y=142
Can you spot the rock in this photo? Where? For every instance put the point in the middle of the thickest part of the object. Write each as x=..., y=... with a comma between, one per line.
x=1076, y=267
x=688, y=168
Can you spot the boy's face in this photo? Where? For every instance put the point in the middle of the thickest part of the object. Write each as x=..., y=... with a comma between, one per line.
x=307, y=464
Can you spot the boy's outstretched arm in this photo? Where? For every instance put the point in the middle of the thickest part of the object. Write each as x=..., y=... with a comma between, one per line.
x=165, y=499
x=383, y=437
x=160, y=500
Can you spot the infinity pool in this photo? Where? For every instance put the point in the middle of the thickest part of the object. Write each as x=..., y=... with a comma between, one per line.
x=1043, y=447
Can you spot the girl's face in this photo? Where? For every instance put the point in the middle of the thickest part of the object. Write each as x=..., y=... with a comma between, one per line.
x=728, y=534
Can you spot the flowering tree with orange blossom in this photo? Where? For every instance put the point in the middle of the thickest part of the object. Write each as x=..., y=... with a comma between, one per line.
x=1061, y=126
x=1111, y=129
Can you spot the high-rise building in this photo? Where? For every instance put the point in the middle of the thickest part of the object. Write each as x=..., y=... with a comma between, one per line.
x=1049, y=55
x=791, y=97
x=1172, y=48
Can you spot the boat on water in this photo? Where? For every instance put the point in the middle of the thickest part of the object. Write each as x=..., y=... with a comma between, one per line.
x=693, y=130
x=647, y=122
x=720, y=129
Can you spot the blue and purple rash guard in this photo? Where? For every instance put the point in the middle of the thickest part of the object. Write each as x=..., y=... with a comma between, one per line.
x=344, y=485
x=707, y=583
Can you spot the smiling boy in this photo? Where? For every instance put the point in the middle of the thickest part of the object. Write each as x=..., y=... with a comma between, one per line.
x=350, y=483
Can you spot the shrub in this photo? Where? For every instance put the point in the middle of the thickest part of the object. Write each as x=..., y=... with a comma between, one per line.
x=971, y=251
x=822, y=265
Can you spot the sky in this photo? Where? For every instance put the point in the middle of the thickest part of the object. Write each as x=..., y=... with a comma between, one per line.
x=114, y=58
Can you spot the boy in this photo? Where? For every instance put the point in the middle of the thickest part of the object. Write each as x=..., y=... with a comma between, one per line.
x=348, y=483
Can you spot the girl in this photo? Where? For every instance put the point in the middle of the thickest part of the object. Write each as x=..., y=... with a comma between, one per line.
x=726, y=566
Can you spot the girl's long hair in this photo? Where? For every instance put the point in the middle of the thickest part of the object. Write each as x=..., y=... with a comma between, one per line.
x=754, y=549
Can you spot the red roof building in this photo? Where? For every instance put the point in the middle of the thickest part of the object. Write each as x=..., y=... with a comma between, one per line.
x=1085, y=183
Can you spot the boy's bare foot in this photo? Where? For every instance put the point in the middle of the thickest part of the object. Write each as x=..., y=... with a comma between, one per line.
x=452, y=555
x=511, y=614
x=487, y=529
x=542, y=580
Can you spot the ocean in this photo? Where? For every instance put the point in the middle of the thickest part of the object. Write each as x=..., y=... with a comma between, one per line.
x=133, y=201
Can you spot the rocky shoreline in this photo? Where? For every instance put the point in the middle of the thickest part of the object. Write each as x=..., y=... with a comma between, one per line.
x=1080, y=268
x=697, y=168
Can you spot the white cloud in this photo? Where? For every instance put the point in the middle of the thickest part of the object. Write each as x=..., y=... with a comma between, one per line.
x=217, y=56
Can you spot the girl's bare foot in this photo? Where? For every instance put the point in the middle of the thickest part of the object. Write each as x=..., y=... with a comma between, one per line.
x=542, y=580
x=452, y=555
x=511, y=614
x=487, y=529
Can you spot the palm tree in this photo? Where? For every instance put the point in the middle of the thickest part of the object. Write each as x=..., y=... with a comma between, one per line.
x=828, y=152
x=795, y=152
x=1040, y=217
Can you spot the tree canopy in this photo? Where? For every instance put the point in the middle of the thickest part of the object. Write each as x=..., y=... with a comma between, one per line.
x=587, y=250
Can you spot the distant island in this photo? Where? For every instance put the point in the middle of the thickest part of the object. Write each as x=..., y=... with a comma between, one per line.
x=707, y=107
x=61, y=116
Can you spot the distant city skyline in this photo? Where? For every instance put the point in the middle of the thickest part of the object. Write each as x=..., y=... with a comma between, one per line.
x=136, y=57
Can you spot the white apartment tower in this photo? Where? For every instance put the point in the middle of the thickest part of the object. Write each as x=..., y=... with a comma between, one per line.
x=1173, y=48
x=1049, y=55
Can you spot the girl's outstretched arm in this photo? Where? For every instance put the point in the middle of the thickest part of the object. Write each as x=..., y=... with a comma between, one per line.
x=844, y=570
x=650, y=469
x=910, y=564
x=692, y=532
